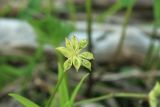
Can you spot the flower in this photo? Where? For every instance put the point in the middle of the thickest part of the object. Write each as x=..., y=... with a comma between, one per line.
x=75, y=56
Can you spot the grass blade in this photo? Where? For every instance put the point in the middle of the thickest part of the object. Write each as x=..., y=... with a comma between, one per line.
x=24, y=101
x=74, y=94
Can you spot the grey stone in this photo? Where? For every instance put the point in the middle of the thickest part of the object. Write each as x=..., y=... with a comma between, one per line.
x=105, y=43
x=16, y=33
x=92, y=105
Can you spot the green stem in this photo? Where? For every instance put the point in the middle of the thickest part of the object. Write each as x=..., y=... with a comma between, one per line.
x=55, y=90
x=124, y=27
x=89, y=23
x=72, y=10
x=90, y=46
x=111, y=95
x=149, y=56
x=50, y=7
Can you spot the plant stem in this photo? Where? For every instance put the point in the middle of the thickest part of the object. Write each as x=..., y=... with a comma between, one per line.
x=55, y=90
x=90, y=46
x=124, y=95
x=51, y=8
x=72, y=10
x=124, y=27
x=149, y=56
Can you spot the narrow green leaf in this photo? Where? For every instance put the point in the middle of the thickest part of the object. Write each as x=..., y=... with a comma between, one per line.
x=24, y=101
x=125, y=3
x=76, y=63
x=153, y=95
x=67, y=64
x=68, y=104
x=157, y=12
x=64, y=51
x=86, y=64
x=87, y=55
x=76, y=90
x=109, y=11
x=63, y=92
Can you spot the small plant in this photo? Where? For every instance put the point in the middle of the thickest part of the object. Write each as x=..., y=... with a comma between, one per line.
x=75, y=56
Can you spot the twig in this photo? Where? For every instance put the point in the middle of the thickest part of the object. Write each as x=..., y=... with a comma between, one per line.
x=122, y=95
x=133, y=74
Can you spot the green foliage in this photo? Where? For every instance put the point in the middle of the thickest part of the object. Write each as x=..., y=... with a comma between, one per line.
x=51, y=30
x=76, y=90
x=24, y=101
x=32, y=9
x=64, y=99
x=63, y=88
x=120, y=4
x=72, y=9
x=153, y=50
x=73, y=54
x=71, y=51
x=7, y=9
x=157, y=12
x=153, y=95
x=10, y=73
x=126, y=3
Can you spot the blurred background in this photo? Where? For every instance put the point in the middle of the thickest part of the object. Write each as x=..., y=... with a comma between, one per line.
x=125, y=39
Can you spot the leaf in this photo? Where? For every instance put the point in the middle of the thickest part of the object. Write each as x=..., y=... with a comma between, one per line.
x=153, y=95
x=109, y=11
x=67, y=64
x=86, y=64
x=83, y=43
x=24, y=101
x=63, y=91
x=68, y=104
x=74, y=42
x=76, y=63
x=157, y=12
x=64, y=51
x=125, y=3
x=87, y=55
x=75, y=92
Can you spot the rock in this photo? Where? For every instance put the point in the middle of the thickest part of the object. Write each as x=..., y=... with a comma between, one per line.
x=15, y=34
x=105, y=43
x=92, y=105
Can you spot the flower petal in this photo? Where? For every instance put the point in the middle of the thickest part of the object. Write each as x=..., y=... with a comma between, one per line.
x=86, y=64
x=75, y=43
x=87, y=55
x=64, y=51
x=68, y=43
x=67, y=64
x=76, y=62
x=83, y=43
